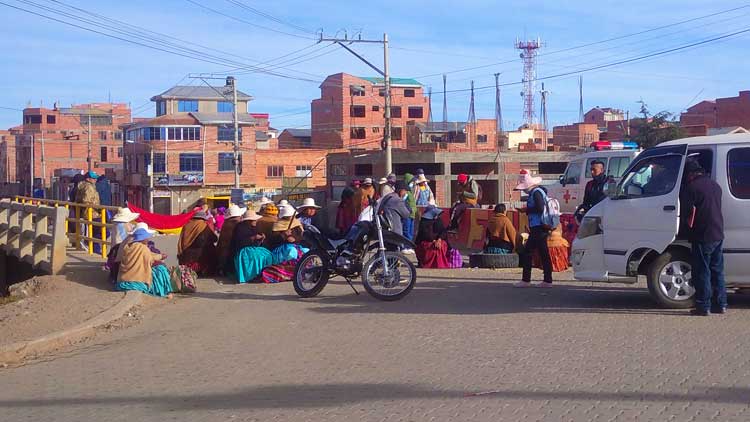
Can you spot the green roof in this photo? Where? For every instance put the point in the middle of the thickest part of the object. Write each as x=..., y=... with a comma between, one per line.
x=394, y=81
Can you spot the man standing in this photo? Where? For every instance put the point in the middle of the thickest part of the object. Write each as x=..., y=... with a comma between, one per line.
x=594, y=192
x=394, y=208
x=87, y=194
x=700, y=205
x=468, y=197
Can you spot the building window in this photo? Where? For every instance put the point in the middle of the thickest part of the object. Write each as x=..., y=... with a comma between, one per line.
x=358, y=111
x=357, y=133
x=226, y=161
x=160, y=163
x=375, y=108
x=226, y=133
x=51, y=119
x=409, y=93
x=187, y=105
x=161, y=108
x=102, y=135
x=119, y=152
x=95, y=120
x=191, y=133
x=118, y=135
x=275, y=172
x=304, y=171
x=481, y=139
x=375, y=129
x=174, y=133
x=32, y=119
x=224, y=107
x=396, y=133
x=338, y=169
x=381, y=92
x=154, y=133
x=356, y=90
x=191, y=162
x=103, y=154
x=396, y=112
x=415, y=113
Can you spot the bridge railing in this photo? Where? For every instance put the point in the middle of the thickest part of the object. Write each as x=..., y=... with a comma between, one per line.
x=85, y=225
x=35, y=234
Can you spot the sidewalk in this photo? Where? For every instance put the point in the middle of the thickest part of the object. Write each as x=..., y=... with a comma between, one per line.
x=58, y=302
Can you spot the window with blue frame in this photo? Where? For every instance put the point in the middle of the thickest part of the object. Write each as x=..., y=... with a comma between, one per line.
x=191, y=162
x=224, y=107
x=187, y=105
x=226, y=161
x=159, y=163
x=161, y=108
x=226, y=133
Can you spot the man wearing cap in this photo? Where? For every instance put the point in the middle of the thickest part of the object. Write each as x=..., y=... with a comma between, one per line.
x=307, y=213
x=87, y=194
x=468, y=196
x=361, y=197
x=703, y=223
x=223, y=245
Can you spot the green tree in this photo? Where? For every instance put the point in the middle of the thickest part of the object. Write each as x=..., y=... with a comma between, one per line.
x=653, y=130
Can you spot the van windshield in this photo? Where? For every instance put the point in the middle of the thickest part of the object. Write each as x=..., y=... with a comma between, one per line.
x=573, y=173
x=653, y=176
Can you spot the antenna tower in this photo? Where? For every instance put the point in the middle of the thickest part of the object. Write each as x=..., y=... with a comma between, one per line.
x=580, y=99
x=445, y=101
x=471, y=121
x=528, y=54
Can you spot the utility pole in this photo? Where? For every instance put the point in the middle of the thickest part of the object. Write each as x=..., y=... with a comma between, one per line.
x=471, y=121
x=44, y=163
x=445, y=100
x=545, y=136
x=31, y=166
x=429, y=100
x=88, y=153
x=387, y=82
x=233, y=83
x=151, y=178
x=580, y=99
x=499, y=135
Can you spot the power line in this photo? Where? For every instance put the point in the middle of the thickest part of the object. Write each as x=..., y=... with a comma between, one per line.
x=269, y=16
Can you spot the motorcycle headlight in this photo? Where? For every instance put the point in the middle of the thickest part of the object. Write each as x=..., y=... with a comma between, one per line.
x=590, y=226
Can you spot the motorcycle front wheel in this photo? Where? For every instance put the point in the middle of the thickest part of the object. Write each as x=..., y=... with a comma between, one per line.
x=311, y=273
x=401, y=278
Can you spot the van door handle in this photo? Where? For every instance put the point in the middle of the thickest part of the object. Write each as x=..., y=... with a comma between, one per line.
x=670, y=208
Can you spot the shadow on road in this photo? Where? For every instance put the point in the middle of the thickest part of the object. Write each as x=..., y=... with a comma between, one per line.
x=331, y=395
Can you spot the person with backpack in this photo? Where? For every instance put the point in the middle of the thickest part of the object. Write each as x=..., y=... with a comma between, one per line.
x=541, y=223
x=469, y=195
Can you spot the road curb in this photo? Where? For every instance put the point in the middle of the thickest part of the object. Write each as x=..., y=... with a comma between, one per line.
x=16, y=352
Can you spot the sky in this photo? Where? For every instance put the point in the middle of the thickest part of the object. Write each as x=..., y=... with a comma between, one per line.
x=46, y=61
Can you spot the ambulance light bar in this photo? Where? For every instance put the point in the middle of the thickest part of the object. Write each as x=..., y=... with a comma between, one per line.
x=607, y=145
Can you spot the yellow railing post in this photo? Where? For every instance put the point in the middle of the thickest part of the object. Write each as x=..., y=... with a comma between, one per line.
x=90, y=230
x=78, y=227
x=67, y=208
x=104, y=234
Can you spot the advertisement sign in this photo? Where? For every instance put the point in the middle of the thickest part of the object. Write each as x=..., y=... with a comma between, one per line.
x=182, y=179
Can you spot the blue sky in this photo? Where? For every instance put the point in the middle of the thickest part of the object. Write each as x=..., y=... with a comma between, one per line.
x=46, y=61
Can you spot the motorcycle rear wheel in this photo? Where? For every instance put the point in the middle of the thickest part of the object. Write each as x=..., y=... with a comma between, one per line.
x=402, y=276
x=311, y=273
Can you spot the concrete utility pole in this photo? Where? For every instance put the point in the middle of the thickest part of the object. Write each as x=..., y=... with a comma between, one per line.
x=151, y=178
x=233, y=83
x=387, y=82
x=31, y=166
x=88, y=152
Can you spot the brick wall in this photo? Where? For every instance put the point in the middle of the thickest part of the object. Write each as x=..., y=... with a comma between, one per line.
x=724, y=112
x=575, y=136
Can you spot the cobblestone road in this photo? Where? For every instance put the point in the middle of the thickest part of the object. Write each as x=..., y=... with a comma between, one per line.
x=469, y=349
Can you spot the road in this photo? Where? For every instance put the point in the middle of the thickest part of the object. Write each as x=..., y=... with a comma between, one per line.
x=463, y=346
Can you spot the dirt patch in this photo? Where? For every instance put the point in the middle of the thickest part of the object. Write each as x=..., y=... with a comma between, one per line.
x=47, y=304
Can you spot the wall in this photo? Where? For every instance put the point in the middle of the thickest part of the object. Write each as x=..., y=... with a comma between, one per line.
x=575, y=136
x=724, y=112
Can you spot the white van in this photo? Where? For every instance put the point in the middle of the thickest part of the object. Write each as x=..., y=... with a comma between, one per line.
x=616, y=157
x=633, y=232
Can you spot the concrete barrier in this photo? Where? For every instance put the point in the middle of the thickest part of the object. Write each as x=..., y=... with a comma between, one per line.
x=35, y=234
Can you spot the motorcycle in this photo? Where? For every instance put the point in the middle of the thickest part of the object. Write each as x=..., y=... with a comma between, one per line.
x=369, y=250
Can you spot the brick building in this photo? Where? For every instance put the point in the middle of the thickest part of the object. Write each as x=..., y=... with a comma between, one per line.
x=295, y=138
x=61, y=141
x=719, y=113
x=600, y=116
x=193, y=152
x=452, y=136
x=575, y=137
x=8, y=155
x=349, y=112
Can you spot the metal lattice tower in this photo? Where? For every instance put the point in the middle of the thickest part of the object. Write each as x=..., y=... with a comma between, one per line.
x=445, y=100
x=471, y=121
x=528, y=54
x=580, y=99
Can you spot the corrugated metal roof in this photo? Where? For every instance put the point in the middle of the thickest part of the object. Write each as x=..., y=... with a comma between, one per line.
x=394, y=81
x=299, y=133
x=181, y=92
x=222, y=118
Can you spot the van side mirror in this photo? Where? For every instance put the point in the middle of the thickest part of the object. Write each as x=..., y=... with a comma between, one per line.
x=562, y=179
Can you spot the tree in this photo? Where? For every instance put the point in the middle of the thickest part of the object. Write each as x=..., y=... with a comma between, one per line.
x=653, y=130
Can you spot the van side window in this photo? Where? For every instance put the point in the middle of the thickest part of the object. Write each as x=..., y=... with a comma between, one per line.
x=705, y=157
x=652, y=176
x=573, y=173
x=591, y=160
x=738, y=172
x=617, y=166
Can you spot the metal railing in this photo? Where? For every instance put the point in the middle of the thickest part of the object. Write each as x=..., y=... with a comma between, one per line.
x=80, y=217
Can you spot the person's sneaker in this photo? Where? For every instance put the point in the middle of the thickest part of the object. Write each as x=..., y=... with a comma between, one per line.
x=522, y=284
x=408, y=251
x=543, y=285
x=721, y=310
x=699, y=312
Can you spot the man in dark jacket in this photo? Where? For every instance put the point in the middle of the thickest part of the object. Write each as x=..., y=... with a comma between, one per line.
x=104, y=189
x=594, y=191
x=700, y=205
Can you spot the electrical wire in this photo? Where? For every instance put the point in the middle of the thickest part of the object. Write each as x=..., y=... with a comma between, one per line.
x=269, y=16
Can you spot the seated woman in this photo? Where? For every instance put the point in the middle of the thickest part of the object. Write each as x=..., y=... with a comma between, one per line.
x=196, y=246
x=432, y=249
x=249, y=257
x=138, y=270
x=286, y=236
x=269, y=215
x=559, y=250
x=501, y=235
x=226, y=233
x=124, y=225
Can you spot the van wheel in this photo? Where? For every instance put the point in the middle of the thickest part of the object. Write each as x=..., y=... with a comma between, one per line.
x=670, y=280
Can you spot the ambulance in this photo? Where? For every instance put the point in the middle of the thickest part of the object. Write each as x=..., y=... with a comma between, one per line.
x=616, y=157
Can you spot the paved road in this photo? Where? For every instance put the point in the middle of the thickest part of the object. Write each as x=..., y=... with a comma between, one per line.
x=470, y=349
